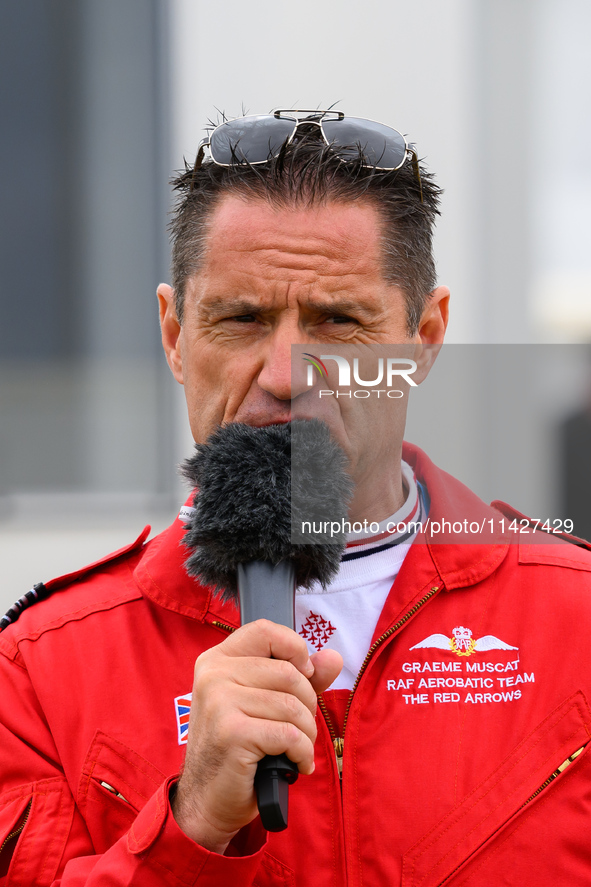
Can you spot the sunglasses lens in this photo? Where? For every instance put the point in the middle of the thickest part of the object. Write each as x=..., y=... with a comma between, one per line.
x=249, y=139
x=380, y=145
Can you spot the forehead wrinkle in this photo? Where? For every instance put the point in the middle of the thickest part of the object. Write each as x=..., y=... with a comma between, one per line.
x=325, y=262
x=267, y=281
x=277, y=255
x=265, y=261
x=295, y=239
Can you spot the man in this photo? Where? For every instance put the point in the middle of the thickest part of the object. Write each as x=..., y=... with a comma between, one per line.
x=451, y=745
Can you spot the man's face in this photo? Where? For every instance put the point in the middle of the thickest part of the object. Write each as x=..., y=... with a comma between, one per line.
x=276, y=277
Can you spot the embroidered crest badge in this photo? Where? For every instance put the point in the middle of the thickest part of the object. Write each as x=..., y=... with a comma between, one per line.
x=462, y=643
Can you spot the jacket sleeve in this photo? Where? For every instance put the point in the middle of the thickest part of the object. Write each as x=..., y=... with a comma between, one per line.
x=43, y=836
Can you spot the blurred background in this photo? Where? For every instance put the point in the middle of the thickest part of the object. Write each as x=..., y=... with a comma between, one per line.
x=100, y=100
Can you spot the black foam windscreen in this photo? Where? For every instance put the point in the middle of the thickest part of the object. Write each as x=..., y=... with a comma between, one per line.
x=253, y=485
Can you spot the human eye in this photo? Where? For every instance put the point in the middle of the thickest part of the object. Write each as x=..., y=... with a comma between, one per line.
x=243, y=318
x=335, y=327
x=228, y=310
x=241, y=324
x=341, y=319
x=339, y=323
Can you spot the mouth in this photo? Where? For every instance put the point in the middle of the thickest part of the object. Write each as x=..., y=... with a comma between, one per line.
x=263, y=423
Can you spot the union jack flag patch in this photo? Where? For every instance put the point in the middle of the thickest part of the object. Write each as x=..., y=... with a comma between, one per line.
x=182, y=707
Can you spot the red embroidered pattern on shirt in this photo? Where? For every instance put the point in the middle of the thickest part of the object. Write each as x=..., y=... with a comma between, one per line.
x=317, y=630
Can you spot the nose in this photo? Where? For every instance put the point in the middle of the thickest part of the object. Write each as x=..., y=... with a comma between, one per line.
x=281, y=376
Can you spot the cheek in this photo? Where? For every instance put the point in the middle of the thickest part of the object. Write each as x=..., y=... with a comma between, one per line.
x=204, y=393
x=374, y=426
x=214, y=389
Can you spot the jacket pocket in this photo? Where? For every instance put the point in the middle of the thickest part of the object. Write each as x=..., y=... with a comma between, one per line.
x=273, y=873
x=116, y=782
x=35, y=821
x=14, y=812
x=536, y=766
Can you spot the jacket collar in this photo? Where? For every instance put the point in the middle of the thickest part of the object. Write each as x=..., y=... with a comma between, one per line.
x=459, y=559
x=162, y=577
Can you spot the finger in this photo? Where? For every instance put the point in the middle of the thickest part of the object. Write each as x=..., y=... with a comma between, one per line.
x=267, y=639
x=260, y=737
x=327, y=667
x=277, y=675
x=272, y=706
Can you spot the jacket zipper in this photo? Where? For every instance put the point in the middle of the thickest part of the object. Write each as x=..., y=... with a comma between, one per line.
x=223, y=625
x=114, y=791
x=553, y=776
x=18, y=829
x=544, y=785
x=339, y=741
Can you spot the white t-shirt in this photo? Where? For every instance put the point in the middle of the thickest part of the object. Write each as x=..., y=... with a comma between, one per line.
x=343, y=616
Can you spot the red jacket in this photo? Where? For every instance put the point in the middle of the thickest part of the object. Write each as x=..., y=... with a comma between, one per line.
x=473, y=696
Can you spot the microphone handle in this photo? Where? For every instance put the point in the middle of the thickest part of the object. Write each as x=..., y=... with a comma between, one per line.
x=266, y=591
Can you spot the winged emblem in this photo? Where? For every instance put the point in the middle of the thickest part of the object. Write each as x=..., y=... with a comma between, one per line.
x=462, y=643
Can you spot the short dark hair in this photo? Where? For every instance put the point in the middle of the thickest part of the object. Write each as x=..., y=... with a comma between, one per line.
x=308, y=173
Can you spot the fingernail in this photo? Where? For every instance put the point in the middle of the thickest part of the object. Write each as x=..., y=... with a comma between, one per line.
x=309, y=668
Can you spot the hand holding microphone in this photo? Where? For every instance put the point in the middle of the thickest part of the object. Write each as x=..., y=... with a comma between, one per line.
x=251, y=484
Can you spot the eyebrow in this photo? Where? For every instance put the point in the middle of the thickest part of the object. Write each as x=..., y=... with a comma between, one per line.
x=243, y=305
x=231, y=306
x=342, y=305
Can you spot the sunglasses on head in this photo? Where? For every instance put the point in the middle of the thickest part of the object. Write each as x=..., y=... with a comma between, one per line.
x=257, y=139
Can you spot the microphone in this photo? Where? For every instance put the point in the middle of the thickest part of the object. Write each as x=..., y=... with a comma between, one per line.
x=256, y=488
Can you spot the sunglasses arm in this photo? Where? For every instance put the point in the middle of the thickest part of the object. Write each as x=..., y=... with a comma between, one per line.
x=199, y=159
x=417, y=172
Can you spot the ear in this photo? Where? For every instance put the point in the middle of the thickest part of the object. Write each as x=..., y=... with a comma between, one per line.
x=433, y=322
x=171, y=330
x=432, y=327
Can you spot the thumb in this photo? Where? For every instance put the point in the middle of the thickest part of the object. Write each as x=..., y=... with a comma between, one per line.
x=327, y=666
